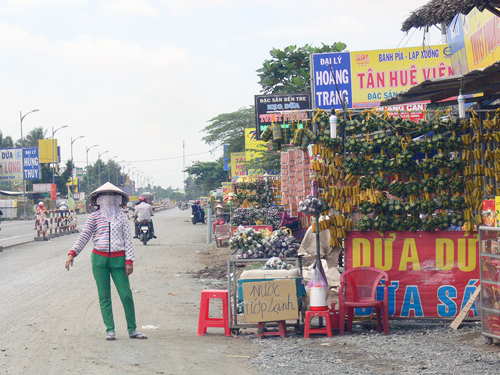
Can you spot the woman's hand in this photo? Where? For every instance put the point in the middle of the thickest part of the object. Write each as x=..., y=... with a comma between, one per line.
x=129, y=269
x=69, y=261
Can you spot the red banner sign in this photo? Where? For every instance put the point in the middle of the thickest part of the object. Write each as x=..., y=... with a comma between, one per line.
x=431, y=274
x=53, y=192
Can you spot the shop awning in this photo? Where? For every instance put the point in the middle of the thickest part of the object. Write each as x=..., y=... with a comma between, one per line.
x=10, y=193
x=485, y=81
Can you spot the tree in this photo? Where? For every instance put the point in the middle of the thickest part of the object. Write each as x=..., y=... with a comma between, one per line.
x=269, y=161
x=6, y=142
x=170, y=193
x=32, y=138
x=208, y=174
x=229, y=129
x=90, y=180
x=192, y=190
x=288, y=70
x=64, y=177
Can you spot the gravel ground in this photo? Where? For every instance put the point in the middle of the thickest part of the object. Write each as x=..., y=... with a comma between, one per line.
x=412, y=347
x=407, y=350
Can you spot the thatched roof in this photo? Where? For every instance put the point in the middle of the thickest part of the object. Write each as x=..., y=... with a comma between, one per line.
x=443, y=11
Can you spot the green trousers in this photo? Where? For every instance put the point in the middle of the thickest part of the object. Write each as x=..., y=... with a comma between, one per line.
x=104, y=269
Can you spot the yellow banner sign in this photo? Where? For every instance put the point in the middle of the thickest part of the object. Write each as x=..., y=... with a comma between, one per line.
x=252, y=145
x=47, y=153
x=238, y=160
x=381, y=74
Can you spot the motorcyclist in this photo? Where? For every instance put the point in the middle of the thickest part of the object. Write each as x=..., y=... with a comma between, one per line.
x=198, y=211
x=143, y=211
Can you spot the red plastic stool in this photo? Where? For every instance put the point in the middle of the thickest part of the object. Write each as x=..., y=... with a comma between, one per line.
x=204, y=320
x=261, y=332
x=310, y=314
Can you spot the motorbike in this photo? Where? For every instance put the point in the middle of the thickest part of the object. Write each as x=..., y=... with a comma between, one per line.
x=145, y=232
x=197, y=216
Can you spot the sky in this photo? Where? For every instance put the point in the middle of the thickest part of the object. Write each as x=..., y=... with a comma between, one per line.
x=138, y=78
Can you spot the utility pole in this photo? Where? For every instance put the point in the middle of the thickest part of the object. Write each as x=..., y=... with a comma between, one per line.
x=183, y=162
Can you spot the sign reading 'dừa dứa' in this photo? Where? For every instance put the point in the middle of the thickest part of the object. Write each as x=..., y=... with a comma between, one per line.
x=270, y=301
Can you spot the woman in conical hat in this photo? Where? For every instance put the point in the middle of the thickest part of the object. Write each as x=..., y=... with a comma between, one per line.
x=112, y=256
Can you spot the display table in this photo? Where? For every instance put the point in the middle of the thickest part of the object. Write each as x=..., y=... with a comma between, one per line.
x=233, y=283
x=256, y=227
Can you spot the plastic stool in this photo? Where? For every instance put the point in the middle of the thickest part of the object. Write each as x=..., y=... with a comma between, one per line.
x=261, y=332
x=325, y=314
x=204, y=320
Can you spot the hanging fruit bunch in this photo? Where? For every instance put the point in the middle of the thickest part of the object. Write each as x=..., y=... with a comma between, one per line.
x=402, y=178
x=312, y=205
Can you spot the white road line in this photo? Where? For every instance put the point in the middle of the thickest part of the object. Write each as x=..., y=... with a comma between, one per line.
x=12, y=238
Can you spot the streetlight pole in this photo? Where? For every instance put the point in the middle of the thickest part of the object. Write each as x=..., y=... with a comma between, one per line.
x=22, y=158
x=53, y=152
x=87, y=168
x=72, y=162
x=135, y=175
x=124, y=171
x=109, y=162
x=117, y=170
x=99, y=165
x=130, y=180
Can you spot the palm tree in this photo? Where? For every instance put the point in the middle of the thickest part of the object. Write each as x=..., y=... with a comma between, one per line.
x=31, y=140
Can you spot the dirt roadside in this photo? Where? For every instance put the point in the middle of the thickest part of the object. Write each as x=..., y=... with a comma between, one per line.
x=52, y=322
x=52, y=325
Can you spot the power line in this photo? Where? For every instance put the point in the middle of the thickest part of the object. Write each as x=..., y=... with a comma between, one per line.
x=173, y=157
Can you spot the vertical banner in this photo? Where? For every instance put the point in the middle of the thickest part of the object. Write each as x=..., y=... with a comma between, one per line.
x=253, y=151
x=456, y=40
x=432, y=274
x=53, y=192
x=226, y=157
x=326, y=93
x=238, y=160
x=31, y=164
x=481, y=38
x=48, y=151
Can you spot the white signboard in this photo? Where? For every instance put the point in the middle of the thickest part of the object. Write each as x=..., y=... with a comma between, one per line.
x=11, y=164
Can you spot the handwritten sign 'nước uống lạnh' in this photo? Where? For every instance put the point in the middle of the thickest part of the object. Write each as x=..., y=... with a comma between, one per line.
x=270, y=301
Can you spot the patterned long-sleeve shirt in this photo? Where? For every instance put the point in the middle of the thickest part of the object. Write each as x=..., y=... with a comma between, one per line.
x=98, y=228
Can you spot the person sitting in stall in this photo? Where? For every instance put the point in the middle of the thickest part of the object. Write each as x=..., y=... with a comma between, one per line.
x=219, y=215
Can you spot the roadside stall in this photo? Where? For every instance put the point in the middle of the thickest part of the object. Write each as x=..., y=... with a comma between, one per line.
x=398, y=195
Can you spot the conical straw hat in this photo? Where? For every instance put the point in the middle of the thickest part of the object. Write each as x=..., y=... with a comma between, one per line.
x=107, y=188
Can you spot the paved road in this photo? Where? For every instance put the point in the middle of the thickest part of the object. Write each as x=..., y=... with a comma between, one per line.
x=52, y=324
x=14, y=233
